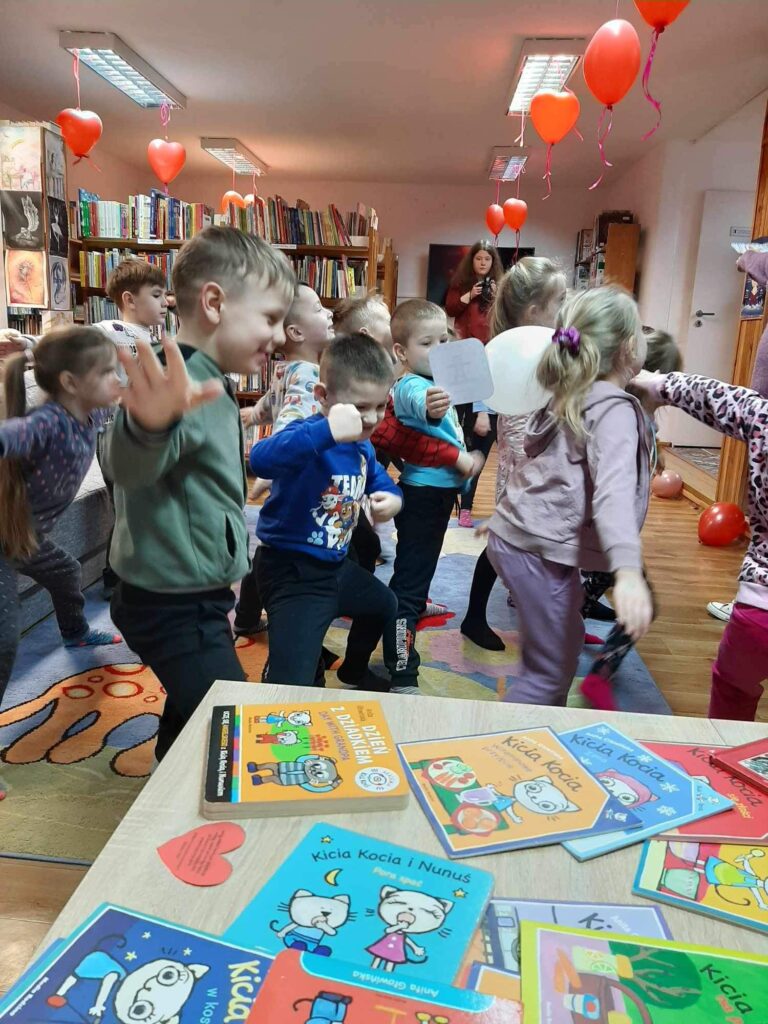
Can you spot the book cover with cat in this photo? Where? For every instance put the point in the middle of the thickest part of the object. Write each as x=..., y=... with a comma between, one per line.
x=725, y=880
x=305, y=989
x=749, y=761
x=573, y=975
x=659, y=794
x=359, y=899
x=508, y=790
x=748, y=818
x=121, y=967
x=284, y=759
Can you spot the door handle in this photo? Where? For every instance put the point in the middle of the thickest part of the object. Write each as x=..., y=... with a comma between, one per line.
x=700, y=312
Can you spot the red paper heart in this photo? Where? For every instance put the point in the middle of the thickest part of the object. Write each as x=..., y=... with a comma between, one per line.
x=196, y=857
x=554, y=114
x=81, y=129
x=166, y=158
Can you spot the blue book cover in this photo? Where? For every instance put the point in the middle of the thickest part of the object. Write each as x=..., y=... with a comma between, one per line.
x=120, y=967
x=359, y=899
x=659, y=794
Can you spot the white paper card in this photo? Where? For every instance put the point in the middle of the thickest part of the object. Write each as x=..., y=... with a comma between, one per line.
x=461, y=368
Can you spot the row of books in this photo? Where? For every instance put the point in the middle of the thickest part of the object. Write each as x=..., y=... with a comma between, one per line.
x=95, y=267
x=330, y=278
x=154, y=216
x=279, y=223
x=255, y=382
x=35, y=322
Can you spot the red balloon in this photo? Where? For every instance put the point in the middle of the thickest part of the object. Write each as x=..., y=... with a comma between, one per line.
x=554, y=114
x=660, y=13
x=612, y=61
x=166, y=158
x=232, y=197
x=81, y=129
x=515, y=213
x=494, y=218
x=721, y=524
x=667, y=484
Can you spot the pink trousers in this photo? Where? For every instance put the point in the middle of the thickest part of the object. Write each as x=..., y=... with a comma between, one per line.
x=741, y=667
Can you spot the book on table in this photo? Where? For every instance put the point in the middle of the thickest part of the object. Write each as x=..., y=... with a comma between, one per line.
x=749, y=761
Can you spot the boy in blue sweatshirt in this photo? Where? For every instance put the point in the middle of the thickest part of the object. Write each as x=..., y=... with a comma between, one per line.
x=320, y=469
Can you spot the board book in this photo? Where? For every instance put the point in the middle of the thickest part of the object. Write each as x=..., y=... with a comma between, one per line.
x=305, y=989
x=281, y=759
x=659, y=794
x=749, y=762
x=355, y=898
x=748, y=818
x=724, y=880
x=507, y=791
x=118, y=962
x=493, y=982
x=573, y=975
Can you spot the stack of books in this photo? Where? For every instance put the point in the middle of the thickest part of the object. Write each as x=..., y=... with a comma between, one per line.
x=277, y=222
x=154, y=217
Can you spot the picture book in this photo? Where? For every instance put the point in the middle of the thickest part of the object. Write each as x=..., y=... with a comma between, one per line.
x=503, y=920
x=508, y=790
x=573, y=976
x=120, y=967
x=493, y=982
x=749, y=762
x=305, y=989
x=748, y=818
x=309, y=758
x=725, y=880
x=659, y=794
x=359, y=899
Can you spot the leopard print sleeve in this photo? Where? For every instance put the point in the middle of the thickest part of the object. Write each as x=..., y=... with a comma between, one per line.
x=735, y=411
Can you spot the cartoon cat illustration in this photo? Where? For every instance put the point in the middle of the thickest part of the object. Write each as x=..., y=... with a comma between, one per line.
x=539, y=796
x=286, y=738
x=326, y=1008
x=152, y=994
x=628, y=791
x=312, y=918
x=313, y=772
x=405, y=913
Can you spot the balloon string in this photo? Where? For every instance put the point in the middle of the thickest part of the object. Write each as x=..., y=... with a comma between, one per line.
x=76, y=73
x=517, y=244
x=548, y=172
x=90, y=161
x=498, y=189
x=646, y=83
x=165, y=116
x=579, y=136
x=521, y=137
x=601, y=137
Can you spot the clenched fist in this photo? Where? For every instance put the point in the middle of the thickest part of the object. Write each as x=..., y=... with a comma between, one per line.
x=346, y=423
x=384, y=506
x=438, y=403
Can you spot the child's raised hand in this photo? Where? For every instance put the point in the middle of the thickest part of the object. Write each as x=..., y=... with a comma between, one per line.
x=248, y=416
x=384, y=506
x=157, y=396
x=645, y=387
x=633, y=603
x=345, y=422
x=438, y=403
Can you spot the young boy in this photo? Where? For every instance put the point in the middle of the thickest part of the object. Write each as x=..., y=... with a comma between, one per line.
x=138, y=289
x=175, y=455
x=365, y=314
x=291, y=396
x=320, y=469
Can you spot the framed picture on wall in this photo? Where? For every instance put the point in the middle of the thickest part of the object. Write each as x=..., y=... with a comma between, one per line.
x=445, y=259
x=753, y=301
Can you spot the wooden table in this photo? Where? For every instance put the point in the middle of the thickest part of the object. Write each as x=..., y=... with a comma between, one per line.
x=130, y=873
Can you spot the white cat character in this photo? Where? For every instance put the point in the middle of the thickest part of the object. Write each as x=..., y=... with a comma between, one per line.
x=405, y=913
x=312, y=918
x=539, y=796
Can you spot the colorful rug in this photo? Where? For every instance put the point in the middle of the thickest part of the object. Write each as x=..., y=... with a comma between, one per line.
x=77, y=726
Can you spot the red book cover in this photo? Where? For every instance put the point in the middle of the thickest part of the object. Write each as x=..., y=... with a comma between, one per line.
x=749, y=762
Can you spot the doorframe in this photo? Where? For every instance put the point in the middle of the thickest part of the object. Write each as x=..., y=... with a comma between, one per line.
x=732, y=475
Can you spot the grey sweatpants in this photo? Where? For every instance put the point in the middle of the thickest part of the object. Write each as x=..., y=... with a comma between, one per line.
x=60, y=574
x=548, y=597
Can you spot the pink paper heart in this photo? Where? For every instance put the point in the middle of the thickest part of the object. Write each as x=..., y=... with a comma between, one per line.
x=196, y=857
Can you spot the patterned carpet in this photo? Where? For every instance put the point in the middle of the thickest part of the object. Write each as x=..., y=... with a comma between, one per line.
x=77, y=726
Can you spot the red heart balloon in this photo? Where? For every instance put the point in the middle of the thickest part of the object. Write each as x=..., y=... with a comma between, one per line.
x=554, y=114
x=494, y=218
x=81, y=129
x=660, y=13
x=612, y=61
x=166, y=158
x=232, y=197
x=515, y=213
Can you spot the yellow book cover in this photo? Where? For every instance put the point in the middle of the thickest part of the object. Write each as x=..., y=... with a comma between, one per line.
x=287, y=758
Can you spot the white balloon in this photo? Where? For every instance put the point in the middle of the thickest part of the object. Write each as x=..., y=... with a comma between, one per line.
x=513, y=357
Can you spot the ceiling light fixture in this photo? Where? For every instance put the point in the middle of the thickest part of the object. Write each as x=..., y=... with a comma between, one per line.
x=115, y=62
x=506, y=164
x=543, y=64
x=235, y=155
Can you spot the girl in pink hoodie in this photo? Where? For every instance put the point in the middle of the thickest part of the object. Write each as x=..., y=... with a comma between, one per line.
x=579, y=498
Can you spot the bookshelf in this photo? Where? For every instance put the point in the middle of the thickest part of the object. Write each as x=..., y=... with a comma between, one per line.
x=607, y=253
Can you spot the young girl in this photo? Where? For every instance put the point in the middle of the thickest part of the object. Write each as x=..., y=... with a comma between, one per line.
x=742, y=660
x=44, y=457
x=580, y=497
x=530, y=293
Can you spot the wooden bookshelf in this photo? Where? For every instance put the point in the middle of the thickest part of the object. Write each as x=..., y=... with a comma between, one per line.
x=612, y=262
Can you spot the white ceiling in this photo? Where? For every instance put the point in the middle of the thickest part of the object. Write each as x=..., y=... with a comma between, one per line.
x=374, y=90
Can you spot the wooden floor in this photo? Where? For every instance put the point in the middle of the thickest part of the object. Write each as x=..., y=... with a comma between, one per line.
x=678, y=652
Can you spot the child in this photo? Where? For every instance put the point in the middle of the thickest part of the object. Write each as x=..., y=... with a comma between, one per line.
x=44, y=457
x=321, y=468
x=138, y=289
x=742, y=659
x=580, y=497
x=175, y=455
x=530, y=294
x=365, y=314
x=291, y=396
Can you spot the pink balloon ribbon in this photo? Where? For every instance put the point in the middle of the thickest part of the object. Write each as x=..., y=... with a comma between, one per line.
x=547, y=176
x=517, y=244
x=521, y=137
x=646, y=80
x=76, y=73
x=601, y=137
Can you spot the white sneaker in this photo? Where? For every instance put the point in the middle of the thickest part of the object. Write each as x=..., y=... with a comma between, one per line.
x=720, y=609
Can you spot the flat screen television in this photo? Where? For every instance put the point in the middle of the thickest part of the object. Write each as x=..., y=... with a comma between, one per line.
x=444, y=259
